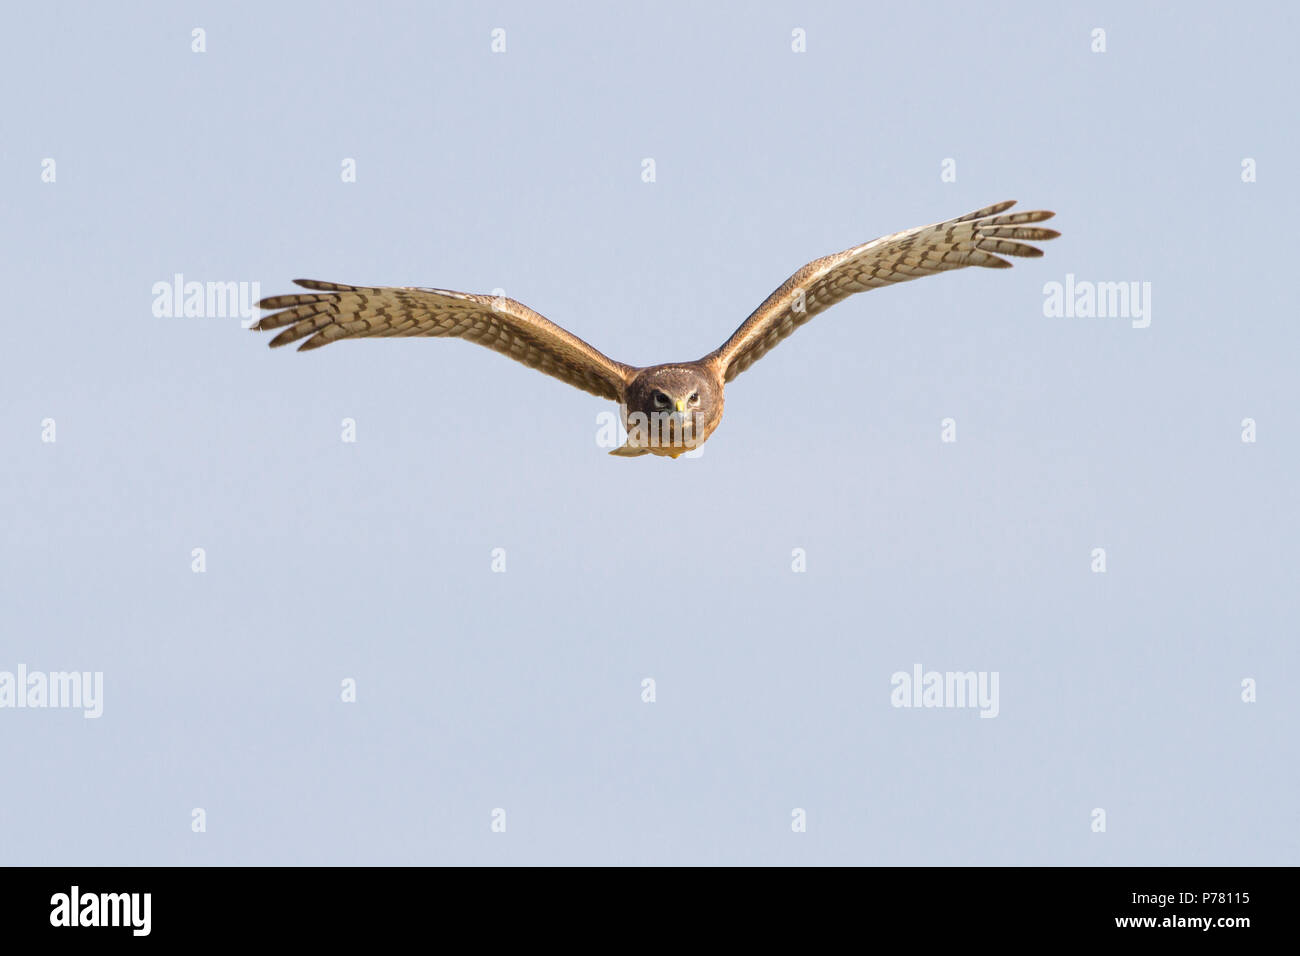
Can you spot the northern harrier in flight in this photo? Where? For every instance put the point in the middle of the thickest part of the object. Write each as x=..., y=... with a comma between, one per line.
x=667, y=409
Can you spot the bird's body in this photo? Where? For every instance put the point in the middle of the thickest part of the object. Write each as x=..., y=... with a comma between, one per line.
x=667, y=409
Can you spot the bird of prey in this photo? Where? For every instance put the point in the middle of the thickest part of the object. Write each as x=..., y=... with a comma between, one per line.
x=667, y=409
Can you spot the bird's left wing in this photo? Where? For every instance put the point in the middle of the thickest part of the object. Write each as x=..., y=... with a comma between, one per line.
x=331, y=312
x=971, y=240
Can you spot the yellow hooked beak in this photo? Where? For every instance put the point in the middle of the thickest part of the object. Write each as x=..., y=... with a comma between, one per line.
x=681, y=405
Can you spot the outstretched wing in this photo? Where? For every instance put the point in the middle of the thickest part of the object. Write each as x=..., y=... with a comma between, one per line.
x=971, y=240
x=332, y=312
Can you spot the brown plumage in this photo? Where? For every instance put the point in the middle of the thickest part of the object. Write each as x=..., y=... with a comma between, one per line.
x=667, y=409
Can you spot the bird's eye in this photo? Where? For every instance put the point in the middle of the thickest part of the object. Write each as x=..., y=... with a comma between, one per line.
x=695, y=398
x=661, y=400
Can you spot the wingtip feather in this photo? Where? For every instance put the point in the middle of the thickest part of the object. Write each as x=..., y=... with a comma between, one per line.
x=319, y=285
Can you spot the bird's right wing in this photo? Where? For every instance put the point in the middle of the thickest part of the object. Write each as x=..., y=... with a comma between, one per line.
x=331, y=312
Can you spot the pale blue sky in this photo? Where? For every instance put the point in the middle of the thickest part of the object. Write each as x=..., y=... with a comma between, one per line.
x=522, y=690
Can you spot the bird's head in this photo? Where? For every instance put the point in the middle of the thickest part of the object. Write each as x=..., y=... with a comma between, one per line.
x=673, y=406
